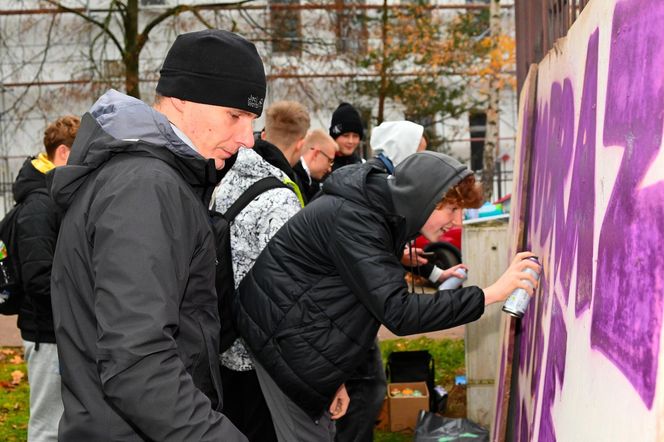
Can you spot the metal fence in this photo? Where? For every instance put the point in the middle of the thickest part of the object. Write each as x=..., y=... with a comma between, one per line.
x=6, y=197
x=539, y=23
x=9, y=165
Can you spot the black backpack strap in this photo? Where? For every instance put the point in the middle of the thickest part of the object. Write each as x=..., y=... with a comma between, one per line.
x=252, y=192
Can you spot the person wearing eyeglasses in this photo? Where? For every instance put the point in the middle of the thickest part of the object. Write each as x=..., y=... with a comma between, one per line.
x=316, y=162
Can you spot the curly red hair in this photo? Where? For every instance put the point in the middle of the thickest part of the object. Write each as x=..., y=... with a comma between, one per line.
x=467, y=194
x=61, y=131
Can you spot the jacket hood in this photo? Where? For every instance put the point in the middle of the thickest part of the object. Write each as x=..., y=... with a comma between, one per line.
x=273, y=155
x=120, y=124
x=251, y=167
x=361, y=183
x=419, y=183
x=396, y=139
x=28, y=180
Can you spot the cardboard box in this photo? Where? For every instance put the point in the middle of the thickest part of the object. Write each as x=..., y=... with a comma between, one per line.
x=404, y=409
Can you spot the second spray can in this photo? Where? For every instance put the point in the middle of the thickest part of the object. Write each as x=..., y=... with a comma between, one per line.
x=454, y=282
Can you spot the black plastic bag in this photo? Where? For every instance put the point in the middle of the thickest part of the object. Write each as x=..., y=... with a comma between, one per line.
x=435, y=428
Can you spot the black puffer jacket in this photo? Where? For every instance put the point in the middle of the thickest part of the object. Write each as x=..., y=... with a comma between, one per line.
x=135, y=306
x=36, y=232
x=311, y=306
x=343, y=160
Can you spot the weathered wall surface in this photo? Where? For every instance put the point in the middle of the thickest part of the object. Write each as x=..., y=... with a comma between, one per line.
x=590, y=355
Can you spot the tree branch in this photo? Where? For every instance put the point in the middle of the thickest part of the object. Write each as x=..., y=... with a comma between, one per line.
x=177, y=10
x=89, y=19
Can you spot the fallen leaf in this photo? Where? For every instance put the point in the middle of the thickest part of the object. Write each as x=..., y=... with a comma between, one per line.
x=6, y=351
x=16, y=360
x=17, y=375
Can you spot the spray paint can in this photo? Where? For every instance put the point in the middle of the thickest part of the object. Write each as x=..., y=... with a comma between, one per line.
x=517, y=303
x=454, y=282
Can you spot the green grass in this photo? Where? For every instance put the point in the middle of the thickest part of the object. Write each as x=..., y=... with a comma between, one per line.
x=448, y=356
x=14, y=397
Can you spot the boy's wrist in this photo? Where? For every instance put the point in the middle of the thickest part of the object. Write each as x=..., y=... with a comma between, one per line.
x=490, y=295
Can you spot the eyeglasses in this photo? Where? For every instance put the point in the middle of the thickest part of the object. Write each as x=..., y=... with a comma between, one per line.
x=329, y=160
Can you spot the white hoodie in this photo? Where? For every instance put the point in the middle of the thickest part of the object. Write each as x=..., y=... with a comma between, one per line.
x=396, y=139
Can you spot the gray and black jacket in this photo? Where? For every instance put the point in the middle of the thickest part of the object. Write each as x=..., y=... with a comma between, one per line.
x=134, y=301
x=310, y=308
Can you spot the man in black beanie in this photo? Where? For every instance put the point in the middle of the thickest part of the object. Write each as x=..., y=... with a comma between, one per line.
x=134, y=302
x=347, y=130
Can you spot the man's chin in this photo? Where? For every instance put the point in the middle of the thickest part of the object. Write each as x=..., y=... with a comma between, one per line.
x=219, y=163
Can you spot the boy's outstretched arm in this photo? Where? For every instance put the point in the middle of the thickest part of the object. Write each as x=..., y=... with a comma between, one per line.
x=514, y=277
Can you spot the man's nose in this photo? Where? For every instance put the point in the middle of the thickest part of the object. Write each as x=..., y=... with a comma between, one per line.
x=245, y=136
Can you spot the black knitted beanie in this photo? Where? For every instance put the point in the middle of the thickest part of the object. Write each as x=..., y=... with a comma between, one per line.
x=214, y=67
x=346, y=119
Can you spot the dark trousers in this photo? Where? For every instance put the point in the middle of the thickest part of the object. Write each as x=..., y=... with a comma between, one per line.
x=366, y=389
x=244, y=405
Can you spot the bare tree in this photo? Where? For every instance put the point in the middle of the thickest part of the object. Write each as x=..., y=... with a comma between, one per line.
x=131, y=40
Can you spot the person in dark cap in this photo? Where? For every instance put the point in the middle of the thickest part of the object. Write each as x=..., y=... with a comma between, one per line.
x=133, y=279
x=347, y=130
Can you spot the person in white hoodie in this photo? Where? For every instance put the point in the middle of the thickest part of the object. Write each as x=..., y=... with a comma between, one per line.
x=393, y=141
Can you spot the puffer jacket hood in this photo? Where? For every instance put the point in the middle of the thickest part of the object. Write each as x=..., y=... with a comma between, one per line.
x=27, y=181
x=116, y=124
x=420, y=182
x=396, y=139
x=360, y=183
x=249, y=168
x=273, y=155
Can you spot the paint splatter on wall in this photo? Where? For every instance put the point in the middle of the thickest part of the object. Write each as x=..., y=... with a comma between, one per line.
x=590, y=363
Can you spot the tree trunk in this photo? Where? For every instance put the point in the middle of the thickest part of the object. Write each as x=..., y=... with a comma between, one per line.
x=383, y=66
x=132, y=50
x=492, y=113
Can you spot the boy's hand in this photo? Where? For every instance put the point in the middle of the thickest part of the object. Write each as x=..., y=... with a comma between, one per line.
x=340, y=403
x=415, y=259
x=513, y=278
x=452, y=271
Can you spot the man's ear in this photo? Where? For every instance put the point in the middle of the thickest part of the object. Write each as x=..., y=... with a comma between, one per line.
x=61, y=154
x=178, y=104
x=298, y=146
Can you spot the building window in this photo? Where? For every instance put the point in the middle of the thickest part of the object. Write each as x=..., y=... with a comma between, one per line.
x=351, y=26
x=286, y=25
x=477, y=127
x=153, y=2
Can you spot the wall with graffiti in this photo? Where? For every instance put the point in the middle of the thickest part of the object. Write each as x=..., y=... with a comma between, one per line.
x=588, y=358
